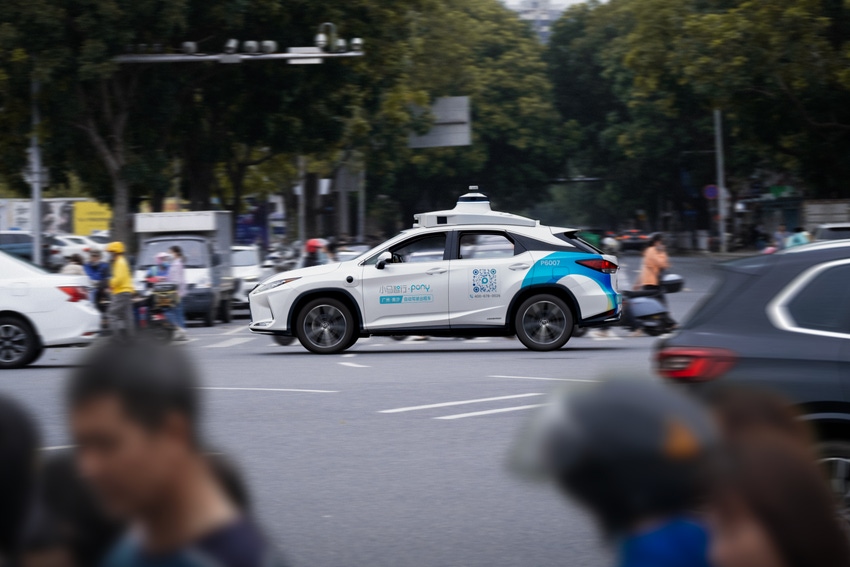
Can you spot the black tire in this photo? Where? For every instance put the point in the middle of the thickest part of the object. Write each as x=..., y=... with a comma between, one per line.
x=398, y=337
x=19, y=344
x=543, y=323
x=209, y=317
x=283, y=340
x=579, y=331
x=325, y=326
x=834, y=457
x=225, y=310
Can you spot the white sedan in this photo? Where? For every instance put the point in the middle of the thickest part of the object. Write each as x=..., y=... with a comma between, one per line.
x=40, y=310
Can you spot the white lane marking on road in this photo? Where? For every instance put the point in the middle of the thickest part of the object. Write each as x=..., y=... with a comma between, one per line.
x=58, y=447
x=349, y=355
x=239, y=329
x=488, y=412
x=353, y=365
x=231, y=342
x=271, y=390
x=459, y=403
x=606, y=338
x=542, y=378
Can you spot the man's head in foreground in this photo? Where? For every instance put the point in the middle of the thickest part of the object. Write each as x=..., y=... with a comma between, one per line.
x=134, y=411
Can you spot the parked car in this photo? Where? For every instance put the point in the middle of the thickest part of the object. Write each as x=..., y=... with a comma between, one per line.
x=779, y=321
x=40, y=310
x=633, y=239
x=248, y=271
x=74, y=244
x=833, y=231
x=17, y=243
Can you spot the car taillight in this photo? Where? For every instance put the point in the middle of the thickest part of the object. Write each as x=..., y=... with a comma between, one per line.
x=600, y=265
x=694, y=364
x=75, y=293
x=643, y=236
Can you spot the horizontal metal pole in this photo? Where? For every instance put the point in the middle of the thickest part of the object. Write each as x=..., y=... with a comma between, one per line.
x=227, y=57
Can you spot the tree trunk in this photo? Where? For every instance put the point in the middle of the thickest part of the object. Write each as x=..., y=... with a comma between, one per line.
x=122, y=222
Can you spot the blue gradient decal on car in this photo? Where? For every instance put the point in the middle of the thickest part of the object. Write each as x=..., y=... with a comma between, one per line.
x=555, y=266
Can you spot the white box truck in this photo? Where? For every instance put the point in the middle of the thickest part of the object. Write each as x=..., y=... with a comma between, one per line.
x=205, y=238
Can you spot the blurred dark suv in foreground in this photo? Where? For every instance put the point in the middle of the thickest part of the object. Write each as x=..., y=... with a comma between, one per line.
x=779, y=321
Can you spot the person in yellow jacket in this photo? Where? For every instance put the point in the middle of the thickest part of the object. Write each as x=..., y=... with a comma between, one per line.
x=121, y=285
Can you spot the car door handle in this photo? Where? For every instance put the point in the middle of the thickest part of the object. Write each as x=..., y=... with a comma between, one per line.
x=518, y=267
x=435, y=271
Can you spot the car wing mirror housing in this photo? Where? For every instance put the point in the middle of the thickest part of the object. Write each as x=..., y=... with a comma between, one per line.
x=384, y=259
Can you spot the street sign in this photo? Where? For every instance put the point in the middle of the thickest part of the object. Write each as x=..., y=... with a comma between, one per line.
x=452, y=125
x=710, y=192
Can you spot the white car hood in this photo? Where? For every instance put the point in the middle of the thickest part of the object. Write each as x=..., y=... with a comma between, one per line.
x=307, y=272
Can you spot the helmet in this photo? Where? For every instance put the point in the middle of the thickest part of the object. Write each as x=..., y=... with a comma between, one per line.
x=314, y=245
x=115, y=247
x=163, y=256
x=627, y=450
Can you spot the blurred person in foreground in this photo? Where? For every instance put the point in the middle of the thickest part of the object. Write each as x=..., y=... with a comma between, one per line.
x=19, y=444
x=121, y=319
x=743, y=411
x=134, y=417
x=771, y=508
x=633, y=454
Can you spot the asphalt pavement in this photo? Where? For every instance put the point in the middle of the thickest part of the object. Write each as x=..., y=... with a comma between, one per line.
x=393, y=453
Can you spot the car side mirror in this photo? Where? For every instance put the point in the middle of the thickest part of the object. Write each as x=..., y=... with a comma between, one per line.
x=384, y=259
x=267, y=265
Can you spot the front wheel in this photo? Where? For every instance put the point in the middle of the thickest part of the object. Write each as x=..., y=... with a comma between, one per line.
x=325, y=326
x=19, y=344
x=543, y=323
x=225, y=310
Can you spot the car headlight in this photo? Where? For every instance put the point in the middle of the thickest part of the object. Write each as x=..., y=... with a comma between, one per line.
x=250, y=279
x=271, y=285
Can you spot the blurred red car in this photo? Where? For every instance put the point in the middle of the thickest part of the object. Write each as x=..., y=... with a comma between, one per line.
x=633, y=239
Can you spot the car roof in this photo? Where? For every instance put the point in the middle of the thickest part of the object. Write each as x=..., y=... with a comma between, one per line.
x=834, y=225
x=839, y=246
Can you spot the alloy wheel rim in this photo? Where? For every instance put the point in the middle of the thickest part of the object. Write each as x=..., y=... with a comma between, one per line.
x=13, y=343
x=325, y=326
x=544, y=322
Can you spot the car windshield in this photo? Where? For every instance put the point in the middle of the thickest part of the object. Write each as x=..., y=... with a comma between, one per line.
x=194, y=252
x=245, y=257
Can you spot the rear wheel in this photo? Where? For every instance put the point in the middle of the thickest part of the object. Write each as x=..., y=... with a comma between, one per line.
x=283, y=340
x=835, y=460
x=225, y=310
x=19, y=344
x=543, y=322
x=325, y=326
x=209, y=317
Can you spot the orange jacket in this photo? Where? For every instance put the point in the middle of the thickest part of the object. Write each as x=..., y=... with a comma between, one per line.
x=654, y=261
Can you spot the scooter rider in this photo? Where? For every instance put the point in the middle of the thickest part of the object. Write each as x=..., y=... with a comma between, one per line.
x=655, y=261
x=633, y=454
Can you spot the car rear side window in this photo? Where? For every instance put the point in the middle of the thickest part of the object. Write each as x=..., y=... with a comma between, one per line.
x=823, y=304
x=486, y=245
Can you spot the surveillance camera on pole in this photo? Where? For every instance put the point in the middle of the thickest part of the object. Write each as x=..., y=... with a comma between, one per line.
x=251, y=47
x=231, y=46
x=341, y=46
x=321, y=40
x=189, y=47
x=268, y=47
x=357, y=45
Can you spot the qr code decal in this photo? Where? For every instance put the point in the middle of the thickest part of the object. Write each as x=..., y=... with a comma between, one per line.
x=485, y=280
